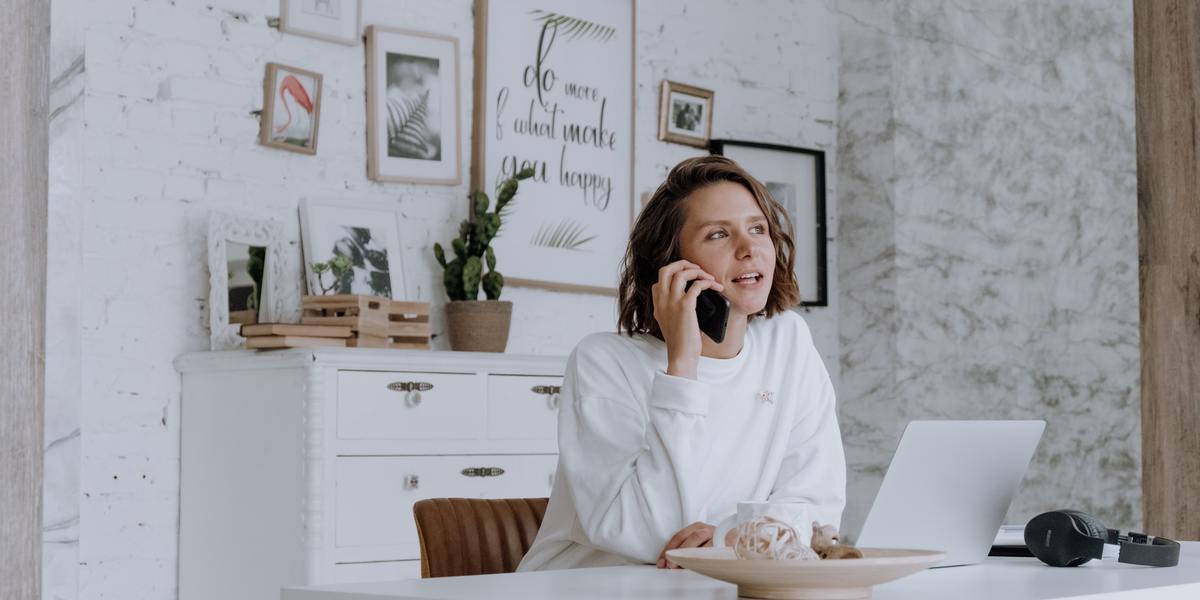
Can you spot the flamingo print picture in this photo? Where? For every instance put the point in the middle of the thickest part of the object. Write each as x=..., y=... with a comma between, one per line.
x=291, y=108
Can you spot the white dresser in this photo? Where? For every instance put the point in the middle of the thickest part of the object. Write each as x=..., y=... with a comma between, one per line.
x=300, y=467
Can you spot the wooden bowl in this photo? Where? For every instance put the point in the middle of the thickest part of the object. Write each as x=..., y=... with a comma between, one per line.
x=806, y=579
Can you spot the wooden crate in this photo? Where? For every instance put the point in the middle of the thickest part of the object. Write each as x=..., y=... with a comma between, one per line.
x=367, y=341
x=408, y=325
x=367, y=316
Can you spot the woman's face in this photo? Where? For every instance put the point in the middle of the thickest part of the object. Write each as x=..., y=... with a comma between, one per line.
x=726, y=234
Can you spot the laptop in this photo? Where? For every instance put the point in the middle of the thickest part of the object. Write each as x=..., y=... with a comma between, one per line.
x=949, y=486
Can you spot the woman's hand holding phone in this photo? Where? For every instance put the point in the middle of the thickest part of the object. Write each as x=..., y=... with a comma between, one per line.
x=675, y=311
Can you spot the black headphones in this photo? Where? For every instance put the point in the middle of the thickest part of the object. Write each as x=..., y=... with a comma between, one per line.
x=1069, y=538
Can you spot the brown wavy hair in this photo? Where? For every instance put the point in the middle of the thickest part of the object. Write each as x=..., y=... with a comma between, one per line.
x=654, y=241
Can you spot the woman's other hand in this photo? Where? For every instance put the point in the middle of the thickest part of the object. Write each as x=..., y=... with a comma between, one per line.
x=675, y=311
x=696, y=535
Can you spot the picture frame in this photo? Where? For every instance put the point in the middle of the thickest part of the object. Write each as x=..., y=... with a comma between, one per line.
x=685, y=114
x=337, y=21
x=413, y=107
x=796, y=179
x=367, y=233
x=298, y=93
x=549, y=77
x=223, y=230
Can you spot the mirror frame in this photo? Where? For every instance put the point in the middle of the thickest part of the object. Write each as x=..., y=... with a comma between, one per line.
x=267, y=233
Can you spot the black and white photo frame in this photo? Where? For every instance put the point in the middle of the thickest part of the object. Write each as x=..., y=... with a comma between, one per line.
x=685, y=114
x=412, y=107
x=796, y=179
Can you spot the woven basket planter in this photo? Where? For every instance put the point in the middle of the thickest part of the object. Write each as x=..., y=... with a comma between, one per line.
x=478, y=325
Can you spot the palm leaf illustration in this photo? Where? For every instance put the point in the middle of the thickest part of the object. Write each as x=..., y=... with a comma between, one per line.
x=406, y=126
x=566, y=235
x=573, y=27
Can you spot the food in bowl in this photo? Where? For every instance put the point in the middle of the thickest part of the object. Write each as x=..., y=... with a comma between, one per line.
x=767, y=538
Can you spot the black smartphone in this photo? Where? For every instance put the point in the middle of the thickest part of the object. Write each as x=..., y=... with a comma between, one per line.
x=712, y=311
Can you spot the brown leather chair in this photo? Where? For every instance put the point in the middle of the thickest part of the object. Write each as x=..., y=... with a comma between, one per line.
x=470, y=536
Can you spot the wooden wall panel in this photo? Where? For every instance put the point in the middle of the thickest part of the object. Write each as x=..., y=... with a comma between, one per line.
x=1167, y=72
x=24, y=96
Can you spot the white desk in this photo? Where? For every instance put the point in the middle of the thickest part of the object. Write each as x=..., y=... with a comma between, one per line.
x=995, y=579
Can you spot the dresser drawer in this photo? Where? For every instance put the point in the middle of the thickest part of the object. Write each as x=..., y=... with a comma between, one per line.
x=522, y=407
x=396, y=405
x=375, y=494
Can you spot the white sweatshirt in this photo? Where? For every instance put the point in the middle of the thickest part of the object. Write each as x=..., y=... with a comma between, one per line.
x=643, y=454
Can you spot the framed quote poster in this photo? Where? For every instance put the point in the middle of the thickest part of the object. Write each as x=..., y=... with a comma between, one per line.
x=554, y=91
x=796, y=179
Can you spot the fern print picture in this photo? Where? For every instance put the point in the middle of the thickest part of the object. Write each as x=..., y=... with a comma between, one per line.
x=412, y=107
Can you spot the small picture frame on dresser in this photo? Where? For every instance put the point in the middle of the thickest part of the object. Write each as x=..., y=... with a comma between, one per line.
x=245, y=276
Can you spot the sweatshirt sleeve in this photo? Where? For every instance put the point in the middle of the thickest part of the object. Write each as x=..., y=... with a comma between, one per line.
x=814, y=466
x=631, y=467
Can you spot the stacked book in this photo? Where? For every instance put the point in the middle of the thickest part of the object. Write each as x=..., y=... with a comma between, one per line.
x=290, y=335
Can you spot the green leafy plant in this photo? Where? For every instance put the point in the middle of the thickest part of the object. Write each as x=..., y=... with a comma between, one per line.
x=573, y=27
x=365, y=255
x=339, y=266
x=473, y=246
x=255, y=266
x=566, y=235
x=407, y=131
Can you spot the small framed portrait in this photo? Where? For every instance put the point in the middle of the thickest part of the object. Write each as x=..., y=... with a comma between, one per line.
x=330, y=20
x=412, y=107
x=685, y=115
x=796, y=179
x=366, y=234
x=291, y=109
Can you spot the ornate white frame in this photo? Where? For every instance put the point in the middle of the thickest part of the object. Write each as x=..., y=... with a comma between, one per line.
x=267, y=233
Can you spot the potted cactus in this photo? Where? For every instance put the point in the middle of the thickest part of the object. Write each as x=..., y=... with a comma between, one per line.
x=478, y=325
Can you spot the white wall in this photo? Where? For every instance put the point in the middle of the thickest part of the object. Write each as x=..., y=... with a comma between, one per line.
x=155, y=130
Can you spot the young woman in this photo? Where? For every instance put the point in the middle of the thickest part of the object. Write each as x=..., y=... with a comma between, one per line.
x=661, y=430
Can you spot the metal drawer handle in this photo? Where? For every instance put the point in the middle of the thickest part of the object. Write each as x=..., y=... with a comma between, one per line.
x=551, y=392
x=483, y=471
x=410, y=386
x=412, y=482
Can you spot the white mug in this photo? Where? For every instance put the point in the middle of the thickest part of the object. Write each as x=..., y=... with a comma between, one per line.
x=794, y=514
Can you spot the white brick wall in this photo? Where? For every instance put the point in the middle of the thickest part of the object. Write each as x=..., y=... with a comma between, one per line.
x=167, y=135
